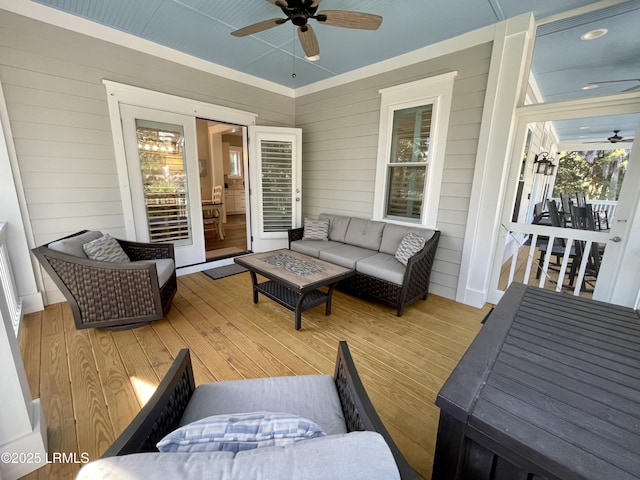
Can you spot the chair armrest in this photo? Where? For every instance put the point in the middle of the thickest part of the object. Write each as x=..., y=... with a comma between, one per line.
x=161, y=414
x=147, y=251
x=358, y=410
x=295, y=234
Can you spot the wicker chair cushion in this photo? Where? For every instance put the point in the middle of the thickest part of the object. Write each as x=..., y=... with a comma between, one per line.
x=240, y=431
x=355, y=455
x=73, y=245
x=311, y=396
x=364, y=233
x=337, y=226
x=165, y=268
x=346, y=255
x=313, y=247
x=382, y=266
x=394, y=234
x=105, y=249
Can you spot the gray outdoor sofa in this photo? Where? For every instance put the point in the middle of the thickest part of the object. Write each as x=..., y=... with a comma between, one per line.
x=371, y=248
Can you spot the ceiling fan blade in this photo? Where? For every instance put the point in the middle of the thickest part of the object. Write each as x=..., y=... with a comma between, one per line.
x=308, y=40
x=283, y=3
x=346, y=19
x=259, y=27
x=315, y=3
x=632, y=89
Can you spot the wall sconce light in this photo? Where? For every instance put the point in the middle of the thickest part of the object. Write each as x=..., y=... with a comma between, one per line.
x=542, y=164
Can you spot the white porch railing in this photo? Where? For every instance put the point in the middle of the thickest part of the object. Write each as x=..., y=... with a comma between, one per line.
x=569, y=235
x=7, y=283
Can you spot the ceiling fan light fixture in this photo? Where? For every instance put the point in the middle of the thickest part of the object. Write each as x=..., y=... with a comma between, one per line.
x=593, y=34
x=313, y=58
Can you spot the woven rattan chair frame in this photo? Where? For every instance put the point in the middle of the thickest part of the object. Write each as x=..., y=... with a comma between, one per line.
x=109, y=294
x=415, y=284
x=162, y=413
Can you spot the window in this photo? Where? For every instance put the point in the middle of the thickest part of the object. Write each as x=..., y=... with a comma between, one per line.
x=413, y=126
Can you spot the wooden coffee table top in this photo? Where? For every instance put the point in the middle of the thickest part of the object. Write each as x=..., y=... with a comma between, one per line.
x=296, y=270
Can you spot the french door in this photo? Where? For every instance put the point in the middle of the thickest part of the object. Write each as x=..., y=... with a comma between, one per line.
x=275, y=165
x=163, y=172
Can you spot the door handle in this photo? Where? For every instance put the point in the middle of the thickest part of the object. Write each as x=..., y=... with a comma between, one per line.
x=616, y=239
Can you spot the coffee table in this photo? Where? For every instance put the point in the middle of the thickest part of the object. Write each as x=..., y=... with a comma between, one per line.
x=294, y=279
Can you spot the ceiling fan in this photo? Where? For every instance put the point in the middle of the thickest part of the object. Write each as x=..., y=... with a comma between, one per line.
x=615, y=138
x=300, y=11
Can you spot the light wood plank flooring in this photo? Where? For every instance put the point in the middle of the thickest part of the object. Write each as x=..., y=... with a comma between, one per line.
x=91, y=382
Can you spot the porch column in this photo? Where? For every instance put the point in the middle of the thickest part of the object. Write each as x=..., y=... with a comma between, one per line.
x=508, y=74
x=23, y=432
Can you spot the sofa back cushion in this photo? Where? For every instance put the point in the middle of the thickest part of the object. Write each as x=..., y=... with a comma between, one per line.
x=73, y=245
x=364, y=233
x=393, y=235
x=337, y=226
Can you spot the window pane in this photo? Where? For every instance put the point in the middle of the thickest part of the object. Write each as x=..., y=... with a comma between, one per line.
x=411, y=131
x=277, y=185
x=162, y=162
x=406, y=191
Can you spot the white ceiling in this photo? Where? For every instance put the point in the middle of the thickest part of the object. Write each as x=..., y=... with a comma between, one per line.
x=562, y=63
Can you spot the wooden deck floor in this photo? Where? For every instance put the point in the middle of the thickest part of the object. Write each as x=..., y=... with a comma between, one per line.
x=91, y=382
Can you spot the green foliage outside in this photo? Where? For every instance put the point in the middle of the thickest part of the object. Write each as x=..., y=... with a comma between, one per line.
x=598, y=173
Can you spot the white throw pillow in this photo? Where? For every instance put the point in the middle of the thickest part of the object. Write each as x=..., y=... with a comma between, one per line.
x=106, y=249
x=316, y=229
x=241, y=431
x=409, y=246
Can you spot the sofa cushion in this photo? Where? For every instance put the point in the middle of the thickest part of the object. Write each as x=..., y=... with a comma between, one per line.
x=409, y=246
x=316, y=229
x=383, y=266
x=393, y=235
x=73, y=245
x=364, y=233
x=355, y=455
x=337, y=226
x=346, y=255
x=240, y=431
x=164, y=266
x=311, y=396
x=105, y=249
x=313, y=247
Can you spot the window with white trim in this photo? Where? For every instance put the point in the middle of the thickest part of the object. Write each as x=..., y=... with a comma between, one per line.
x=414, y=118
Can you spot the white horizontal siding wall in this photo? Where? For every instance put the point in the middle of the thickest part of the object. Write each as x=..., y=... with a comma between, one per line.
x=52, y=80
x=340, y=142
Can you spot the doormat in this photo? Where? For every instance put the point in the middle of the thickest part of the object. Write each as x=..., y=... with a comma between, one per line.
x=226, y=271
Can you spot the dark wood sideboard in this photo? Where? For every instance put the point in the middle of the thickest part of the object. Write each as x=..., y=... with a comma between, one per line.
x=549, y=389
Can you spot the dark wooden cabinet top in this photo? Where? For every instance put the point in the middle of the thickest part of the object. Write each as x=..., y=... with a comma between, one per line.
x=554, y=379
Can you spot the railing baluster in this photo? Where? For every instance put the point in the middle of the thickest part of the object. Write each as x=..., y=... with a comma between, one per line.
x=7, y=283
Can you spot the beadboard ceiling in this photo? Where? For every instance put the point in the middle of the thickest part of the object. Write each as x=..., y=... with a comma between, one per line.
x=562, y=62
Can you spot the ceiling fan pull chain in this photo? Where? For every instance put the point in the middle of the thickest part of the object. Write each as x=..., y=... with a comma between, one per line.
x=293, y=54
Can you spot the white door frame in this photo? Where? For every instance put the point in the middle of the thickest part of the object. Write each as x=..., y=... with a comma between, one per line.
x=118, y=93
x=610, y=274
x=263, y=241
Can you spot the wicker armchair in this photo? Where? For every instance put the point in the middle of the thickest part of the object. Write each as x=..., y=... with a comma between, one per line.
x=108, y=294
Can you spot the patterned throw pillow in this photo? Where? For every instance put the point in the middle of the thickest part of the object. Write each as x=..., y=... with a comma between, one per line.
x=316, y=229
x=241, y=431
x=106, y=249
x=409, y=246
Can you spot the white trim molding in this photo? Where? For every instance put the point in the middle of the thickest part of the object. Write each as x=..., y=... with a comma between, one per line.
x=506, y=88
x=438, y=92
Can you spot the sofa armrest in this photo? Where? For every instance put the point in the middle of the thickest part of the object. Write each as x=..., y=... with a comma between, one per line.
x=295, y=234
x=147, y=251
x=359, y=412
x=161, y=414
